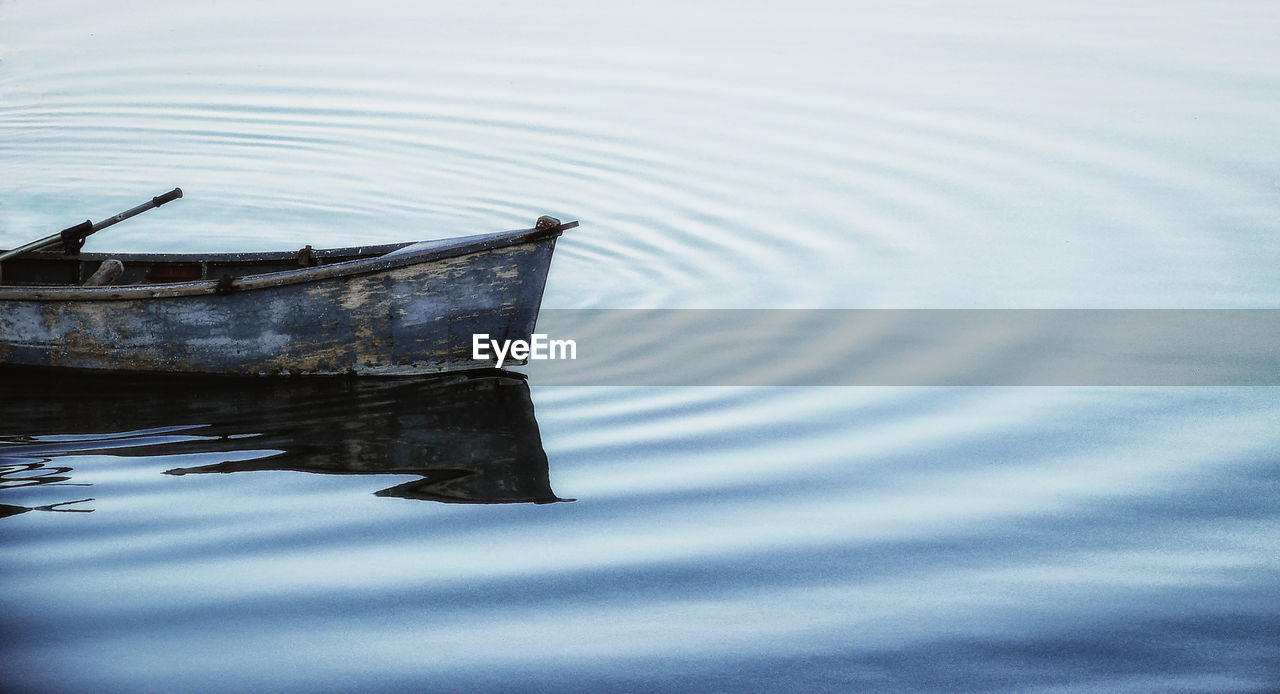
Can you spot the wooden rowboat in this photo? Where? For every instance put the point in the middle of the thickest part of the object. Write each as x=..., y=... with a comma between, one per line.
x=398, y=309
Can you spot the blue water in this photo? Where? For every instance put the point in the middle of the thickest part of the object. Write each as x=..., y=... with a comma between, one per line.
x=719, y=155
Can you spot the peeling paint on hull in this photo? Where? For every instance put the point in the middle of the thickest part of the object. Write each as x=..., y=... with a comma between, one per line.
x=411, y=314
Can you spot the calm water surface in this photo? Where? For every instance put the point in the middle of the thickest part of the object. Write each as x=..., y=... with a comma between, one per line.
x=492, y=534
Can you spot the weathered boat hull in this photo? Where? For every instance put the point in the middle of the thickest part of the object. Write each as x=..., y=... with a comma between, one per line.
x=393, y=313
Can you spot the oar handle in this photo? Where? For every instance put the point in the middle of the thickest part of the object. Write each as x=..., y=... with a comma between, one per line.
x=167, y=197
x=154, y=202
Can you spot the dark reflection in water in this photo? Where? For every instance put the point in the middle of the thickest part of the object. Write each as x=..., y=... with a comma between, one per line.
x=469, y=438
x=18, y=471
x=7, y=510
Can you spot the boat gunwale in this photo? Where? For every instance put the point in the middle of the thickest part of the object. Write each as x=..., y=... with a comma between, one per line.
x=376, y=260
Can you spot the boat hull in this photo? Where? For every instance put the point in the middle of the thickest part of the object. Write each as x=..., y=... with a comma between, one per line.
x=411, y=314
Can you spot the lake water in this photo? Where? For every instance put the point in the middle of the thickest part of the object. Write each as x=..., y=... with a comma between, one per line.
x=497, y=535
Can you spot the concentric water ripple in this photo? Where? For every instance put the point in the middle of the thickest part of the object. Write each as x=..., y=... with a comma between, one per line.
x=817, y=156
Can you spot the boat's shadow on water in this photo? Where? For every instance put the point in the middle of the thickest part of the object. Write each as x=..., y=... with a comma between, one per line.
x=469, y=438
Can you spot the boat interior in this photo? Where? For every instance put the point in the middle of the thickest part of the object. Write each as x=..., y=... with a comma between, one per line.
x=43, y=269
x=62, y=269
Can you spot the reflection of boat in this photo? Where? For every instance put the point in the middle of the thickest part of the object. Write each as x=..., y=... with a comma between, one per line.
x=395, y=309
x=470, y=438
x=18, y=471
x=467, y=437
x=11, y=510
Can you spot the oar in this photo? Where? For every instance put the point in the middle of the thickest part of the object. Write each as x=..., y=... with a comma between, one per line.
x=72, y=238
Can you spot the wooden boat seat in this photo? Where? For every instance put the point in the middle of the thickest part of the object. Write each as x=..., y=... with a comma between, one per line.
x=108, y=273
